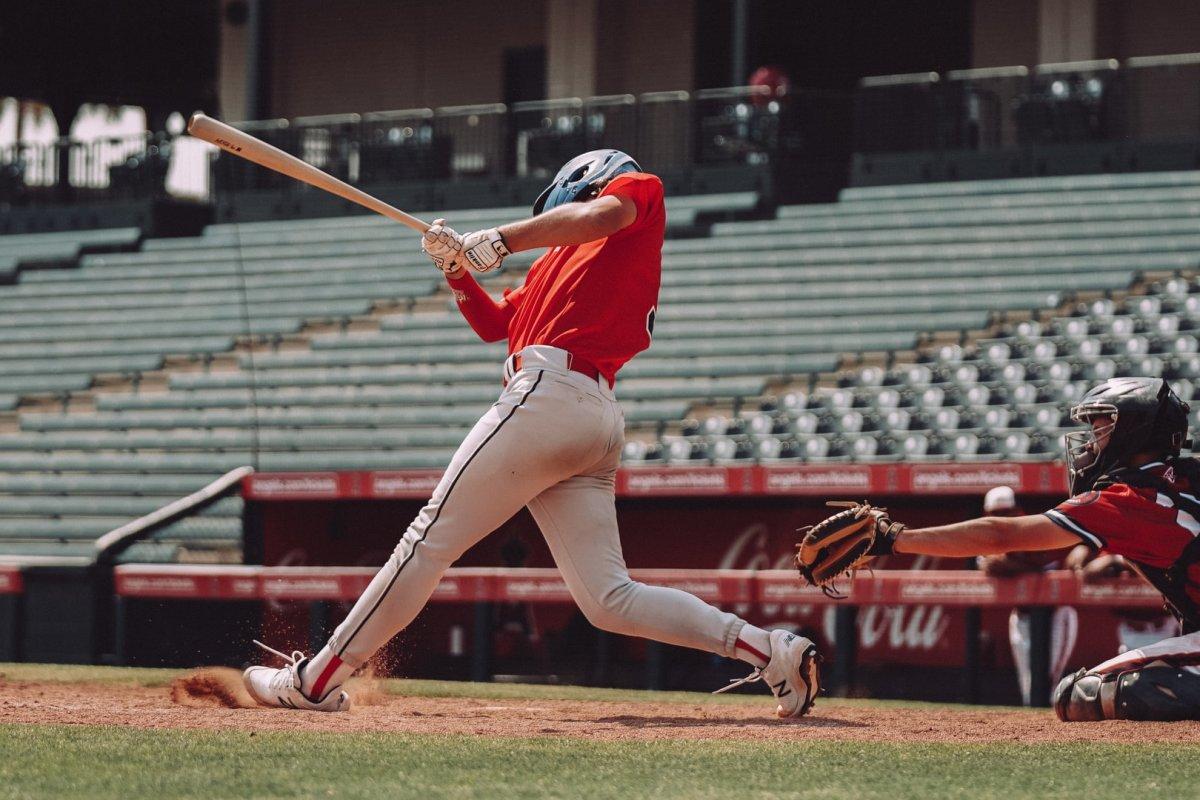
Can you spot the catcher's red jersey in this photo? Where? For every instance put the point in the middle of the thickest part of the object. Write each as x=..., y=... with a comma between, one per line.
x=597, y=300
x=1138, y=523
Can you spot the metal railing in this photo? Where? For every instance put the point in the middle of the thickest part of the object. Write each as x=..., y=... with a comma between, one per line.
x=667, y=131
x=547, y=133
x=1151, y=99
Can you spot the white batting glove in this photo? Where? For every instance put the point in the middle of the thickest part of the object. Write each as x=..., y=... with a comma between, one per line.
x=483, y=251
x=443, y=245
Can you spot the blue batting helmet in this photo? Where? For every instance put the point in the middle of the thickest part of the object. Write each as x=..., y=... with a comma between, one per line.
x=580, y=174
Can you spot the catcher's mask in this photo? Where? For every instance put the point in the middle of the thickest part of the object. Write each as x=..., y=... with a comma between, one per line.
x=580, y=174
x=1125, y=416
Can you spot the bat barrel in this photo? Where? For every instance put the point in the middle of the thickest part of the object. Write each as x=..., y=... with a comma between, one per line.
x=243, y=145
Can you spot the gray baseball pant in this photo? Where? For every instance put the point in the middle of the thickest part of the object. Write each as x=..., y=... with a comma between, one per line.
x=551, y=442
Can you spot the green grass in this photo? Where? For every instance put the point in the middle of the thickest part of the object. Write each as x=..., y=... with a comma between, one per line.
x=92, y=762
x=83, y=673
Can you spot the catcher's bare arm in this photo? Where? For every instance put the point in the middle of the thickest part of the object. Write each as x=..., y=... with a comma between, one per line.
x=985, y=536
x=842, y=543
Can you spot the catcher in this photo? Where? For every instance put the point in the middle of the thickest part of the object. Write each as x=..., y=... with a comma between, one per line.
x=1131, y=495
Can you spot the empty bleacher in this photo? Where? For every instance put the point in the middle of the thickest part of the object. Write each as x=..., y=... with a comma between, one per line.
x=996, y=399
x=942, y=321
x=999, y=397
x=40, y=249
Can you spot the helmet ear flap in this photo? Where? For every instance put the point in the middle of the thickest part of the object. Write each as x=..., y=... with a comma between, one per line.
x=540, y=203
x=1172, y=410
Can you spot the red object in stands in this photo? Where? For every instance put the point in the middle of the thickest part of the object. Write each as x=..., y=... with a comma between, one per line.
x=10, y=580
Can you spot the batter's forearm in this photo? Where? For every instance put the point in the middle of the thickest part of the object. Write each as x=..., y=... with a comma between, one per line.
x=486, y=317
x=570, y=224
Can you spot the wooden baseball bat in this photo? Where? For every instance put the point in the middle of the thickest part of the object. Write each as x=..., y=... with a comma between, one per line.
x=243, y=145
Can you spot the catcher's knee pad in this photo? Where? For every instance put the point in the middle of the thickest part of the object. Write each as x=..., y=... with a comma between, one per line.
x=1154, y=693
x=1084, y=697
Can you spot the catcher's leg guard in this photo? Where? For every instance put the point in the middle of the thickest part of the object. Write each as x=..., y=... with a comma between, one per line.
x=1156, y=692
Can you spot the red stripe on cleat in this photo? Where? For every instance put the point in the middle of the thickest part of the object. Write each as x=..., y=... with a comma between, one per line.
x=751, y=650
x=318, y=689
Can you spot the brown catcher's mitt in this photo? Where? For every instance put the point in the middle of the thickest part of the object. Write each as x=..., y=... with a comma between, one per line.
x=840, y=544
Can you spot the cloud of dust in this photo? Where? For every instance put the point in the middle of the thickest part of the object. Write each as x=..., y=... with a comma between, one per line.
x=365, y=687
x=222, y=687
x=212, y=686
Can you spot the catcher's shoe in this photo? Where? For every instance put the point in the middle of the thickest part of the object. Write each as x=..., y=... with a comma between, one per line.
x=793, y=673
x=281, y=687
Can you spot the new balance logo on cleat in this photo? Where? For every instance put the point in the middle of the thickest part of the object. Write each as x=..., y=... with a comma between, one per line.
x=792, y=673
x=793, y=658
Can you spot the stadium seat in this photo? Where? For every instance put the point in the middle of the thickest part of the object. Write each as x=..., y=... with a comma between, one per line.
x=634, y=450
x=1015, y=444
x=727, y=450
x=822, y=449
x=773, y=449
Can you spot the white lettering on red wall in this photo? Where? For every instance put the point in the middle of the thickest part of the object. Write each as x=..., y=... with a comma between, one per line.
x=678, y=481
x=906, y=627
x=404, y=484
x=300, y=484
x=952, y=477
x=799, y=479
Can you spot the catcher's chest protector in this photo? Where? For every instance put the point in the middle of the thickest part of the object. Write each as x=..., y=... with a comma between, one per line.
x=1172, y=581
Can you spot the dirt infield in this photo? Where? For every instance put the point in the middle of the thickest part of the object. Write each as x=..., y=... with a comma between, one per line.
x=214, y=699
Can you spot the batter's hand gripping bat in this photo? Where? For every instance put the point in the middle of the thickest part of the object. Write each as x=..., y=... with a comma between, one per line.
x=243, y=145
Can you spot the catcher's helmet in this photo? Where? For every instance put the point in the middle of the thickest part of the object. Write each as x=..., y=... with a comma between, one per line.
x=1144, y=416
x=580, y=174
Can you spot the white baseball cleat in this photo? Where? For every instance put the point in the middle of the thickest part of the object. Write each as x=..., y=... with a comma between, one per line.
x=281, y=687
x=793, y=673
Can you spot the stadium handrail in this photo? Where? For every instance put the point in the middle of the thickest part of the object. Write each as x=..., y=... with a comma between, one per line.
x=117, y=541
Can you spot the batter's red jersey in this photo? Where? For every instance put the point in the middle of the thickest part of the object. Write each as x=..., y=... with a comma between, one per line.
x=597, y=300
x=1139, y=523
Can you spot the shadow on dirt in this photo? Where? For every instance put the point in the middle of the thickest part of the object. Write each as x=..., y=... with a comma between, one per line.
x=632, y=721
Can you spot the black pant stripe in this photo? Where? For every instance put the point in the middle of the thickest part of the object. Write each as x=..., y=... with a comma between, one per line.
x=438, y=514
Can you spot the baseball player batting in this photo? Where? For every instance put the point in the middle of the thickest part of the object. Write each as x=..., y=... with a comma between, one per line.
x=1132, y=494
x=551, y=442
